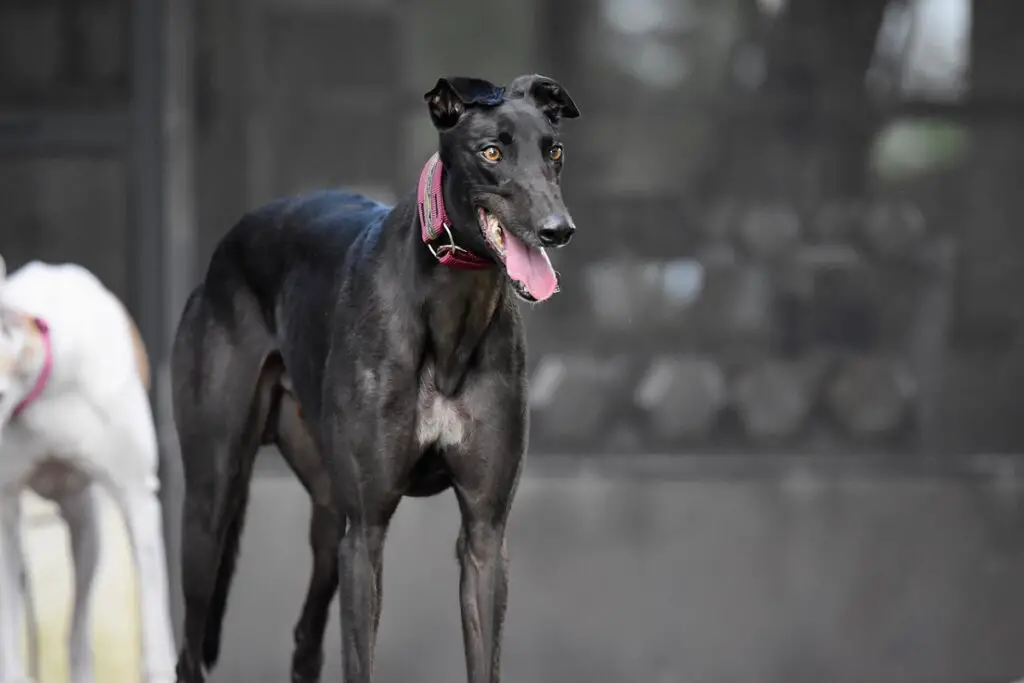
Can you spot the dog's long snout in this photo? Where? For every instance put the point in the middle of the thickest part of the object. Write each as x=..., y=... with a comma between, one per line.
x=556, y=231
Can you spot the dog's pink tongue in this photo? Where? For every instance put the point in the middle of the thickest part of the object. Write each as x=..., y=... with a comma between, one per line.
x=531, y=267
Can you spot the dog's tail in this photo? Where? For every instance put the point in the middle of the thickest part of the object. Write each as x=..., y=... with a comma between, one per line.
x=228, y=562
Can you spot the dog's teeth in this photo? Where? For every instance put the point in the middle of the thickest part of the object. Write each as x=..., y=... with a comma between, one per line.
x=494, y=231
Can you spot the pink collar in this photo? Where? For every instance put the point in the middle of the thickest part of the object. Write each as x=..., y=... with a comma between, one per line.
x=44, y=374
x=434, y=221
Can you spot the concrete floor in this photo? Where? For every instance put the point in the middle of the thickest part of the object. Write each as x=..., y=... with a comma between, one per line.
x=795, y=580
x=889, y=581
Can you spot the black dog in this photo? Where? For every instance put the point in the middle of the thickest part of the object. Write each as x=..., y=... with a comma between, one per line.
x=382, y=350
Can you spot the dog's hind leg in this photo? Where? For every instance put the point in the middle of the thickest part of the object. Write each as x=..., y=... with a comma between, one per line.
x=81, y=513
x=221, y=401
x=11, y=665
x=325, y=531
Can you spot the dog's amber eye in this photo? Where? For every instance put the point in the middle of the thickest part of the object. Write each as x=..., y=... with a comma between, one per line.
x=491, y=153
x=555, y=153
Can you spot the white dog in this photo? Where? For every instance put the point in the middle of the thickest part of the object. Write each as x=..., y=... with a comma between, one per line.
x=74, y=411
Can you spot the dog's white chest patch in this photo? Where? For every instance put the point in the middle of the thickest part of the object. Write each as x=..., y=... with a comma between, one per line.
x=439, y=420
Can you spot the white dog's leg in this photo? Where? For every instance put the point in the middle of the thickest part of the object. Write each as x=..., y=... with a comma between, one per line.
x=31, y=622
x=143, y=520
x=81, y=513
x=133, y=486
x=12, y=668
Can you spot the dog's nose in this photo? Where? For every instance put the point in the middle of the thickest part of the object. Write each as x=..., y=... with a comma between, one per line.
x=556, y=231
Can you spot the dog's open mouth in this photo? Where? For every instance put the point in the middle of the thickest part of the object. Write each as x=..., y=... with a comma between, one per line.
x=528, y=267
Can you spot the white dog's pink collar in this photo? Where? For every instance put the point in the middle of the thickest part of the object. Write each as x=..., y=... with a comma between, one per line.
x=44, y=373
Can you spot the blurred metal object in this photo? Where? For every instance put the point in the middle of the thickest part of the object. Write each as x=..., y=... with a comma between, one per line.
x=735, y=305
x=871, y=395
x=769, y=231
x=682, y=396
x=836, y=221
x=894, y=229
x=620, y=290
x=575, y=396
x=820, y=256
x=774, y=397
x=720, y=220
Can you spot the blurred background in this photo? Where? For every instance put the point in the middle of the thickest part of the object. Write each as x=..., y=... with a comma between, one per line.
x=776, y=409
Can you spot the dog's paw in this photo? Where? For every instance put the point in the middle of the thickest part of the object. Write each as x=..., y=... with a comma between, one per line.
x=307, y=670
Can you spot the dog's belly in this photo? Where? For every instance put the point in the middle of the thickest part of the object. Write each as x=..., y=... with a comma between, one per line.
x=54, y=478
x=430, y=477
x=66, y=430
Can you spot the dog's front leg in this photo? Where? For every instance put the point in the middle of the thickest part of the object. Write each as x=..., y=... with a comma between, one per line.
x=81, y=513
x=363, y=482
x=360, y=554
x=483, y=596
x=12, y=668
x=486, y=474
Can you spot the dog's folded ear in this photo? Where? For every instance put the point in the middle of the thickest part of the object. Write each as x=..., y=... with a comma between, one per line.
x=549, y=95
x=450, y=97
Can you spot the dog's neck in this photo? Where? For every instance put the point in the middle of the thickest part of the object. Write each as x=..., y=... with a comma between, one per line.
x=34, y=364
x=442, y=207
x=458, y=318
x=459, y=304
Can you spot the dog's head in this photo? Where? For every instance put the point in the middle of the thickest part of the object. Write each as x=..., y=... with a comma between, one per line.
x=503, y=155
x=19, y=353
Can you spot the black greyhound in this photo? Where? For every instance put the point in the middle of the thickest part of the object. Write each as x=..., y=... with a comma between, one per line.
x=382, y=351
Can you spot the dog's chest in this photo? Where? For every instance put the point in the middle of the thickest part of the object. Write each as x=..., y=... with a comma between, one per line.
x=440, y=421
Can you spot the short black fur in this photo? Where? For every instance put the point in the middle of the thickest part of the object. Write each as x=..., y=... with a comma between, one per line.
x=325, y=326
